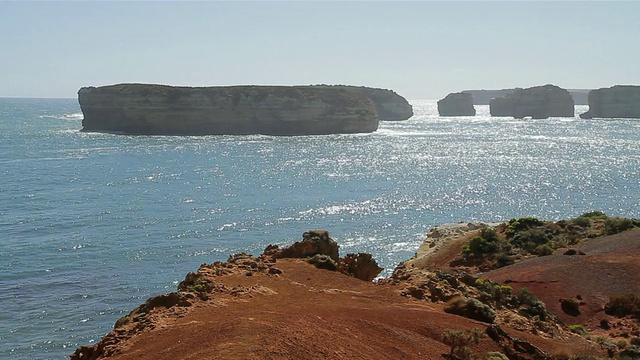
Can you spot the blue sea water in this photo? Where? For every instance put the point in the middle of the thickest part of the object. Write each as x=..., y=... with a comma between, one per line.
x=91, y=224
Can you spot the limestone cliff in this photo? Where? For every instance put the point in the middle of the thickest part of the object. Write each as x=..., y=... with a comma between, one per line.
x=389, y=105
x=483, y=97
x=457, y=104
x=235, y=110
x=614, y=102
x=539, y=102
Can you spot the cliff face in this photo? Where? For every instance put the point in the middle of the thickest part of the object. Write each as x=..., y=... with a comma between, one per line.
x=457, y=104
x=483, y=97
x=539, y=102
x=236, y=110
x=614, y=102
x=389, y=105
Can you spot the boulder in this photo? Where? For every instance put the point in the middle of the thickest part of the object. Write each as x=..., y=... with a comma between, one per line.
x=457, y=104
x=470, y=308
x=539, y=102
x=361, y=266
x=323, y=262
x=615, y=102
x=235, y=110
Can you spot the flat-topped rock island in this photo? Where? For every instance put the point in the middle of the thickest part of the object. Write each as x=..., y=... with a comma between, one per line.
x=145, y=109
x=620, y=101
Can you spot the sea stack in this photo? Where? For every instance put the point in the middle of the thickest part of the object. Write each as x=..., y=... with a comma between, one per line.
x=539, y=102
x=457, y=104
x=620, y=101
x=145, y=109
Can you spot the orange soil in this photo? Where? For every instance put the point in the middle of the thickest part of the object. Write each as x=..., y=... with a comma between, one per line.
x=309, y=313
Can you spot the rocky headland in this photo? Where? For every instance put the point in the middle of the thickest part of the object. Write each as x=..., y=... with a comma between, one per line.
x=389, y=105
x=523, y=289
x=620, y=101
x=538, y=102
x=236, y=110
x=456, y=104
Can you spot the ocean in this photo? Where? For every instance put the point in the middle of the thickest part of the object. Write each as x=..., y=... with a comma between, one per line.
x=94, y=224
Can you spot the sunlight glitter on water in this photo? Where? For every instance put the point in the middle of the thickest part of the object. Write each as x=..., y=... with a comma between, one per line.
x=128, y=217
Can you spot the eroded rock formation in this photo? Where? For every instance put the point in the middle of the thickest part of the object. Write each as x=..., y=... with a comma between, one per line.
x=235, y=110
x=615, y=102
x=539, y=102
x=457, y=104
x=389, y=105
x=483, y=97
x=314, y=242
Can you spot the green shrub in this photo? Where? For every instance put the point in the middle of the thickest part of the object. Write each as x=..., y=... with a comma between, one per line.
x=614, y=225
x=623, y=305
x=530, y=239
x=499, y=293
x=479, y=246
x=485, y=243
x=605, y=343
x=532, y=305
x=504, y=259
x=495, y=355
x=578, y=329
x=470, y=308
x=582, y=221
x=570, y=306
x=632, y=352
x=594, y=215
x=518, y=225
x=489, y=234
x=459, y=342
x=544, y=250
x=526, y=297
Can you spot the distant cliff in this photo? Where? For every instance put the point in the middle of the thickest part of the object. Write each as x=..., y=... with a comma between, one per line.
x=539, y=102
x=456, y=104
x=389, y=105
x=615, y=102
x=234, y=110
x=483, y=97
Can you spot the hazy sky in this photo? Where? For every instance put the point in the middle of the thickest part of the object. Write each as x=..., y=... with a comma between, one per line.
x=423, y=50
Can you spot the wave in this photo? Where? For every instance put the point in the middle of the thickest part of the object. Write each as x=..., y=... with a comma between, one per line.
x=71, y=116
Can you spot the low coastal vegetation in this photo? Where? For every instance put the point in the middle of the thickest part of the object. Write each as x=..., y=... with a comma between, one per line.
x=526, y=237
x=459, y=342
x=624, y=305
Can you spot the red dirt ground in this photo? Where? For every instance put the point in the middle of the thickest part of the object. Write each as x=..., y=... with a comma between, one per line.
x=309, y=313
x=306, y=313
x=610, y=266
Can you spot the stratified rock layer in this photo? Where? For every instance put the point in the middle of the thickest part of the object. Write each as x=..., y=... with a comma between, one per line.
x=615, y=102
x=483, y=97
x=389, y=105
x=457, y=104
x=236, y=110
x=539, y=102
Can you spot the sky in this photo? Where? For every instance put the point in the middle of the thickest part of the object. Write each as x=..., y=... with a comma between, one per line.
x=420, y=49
